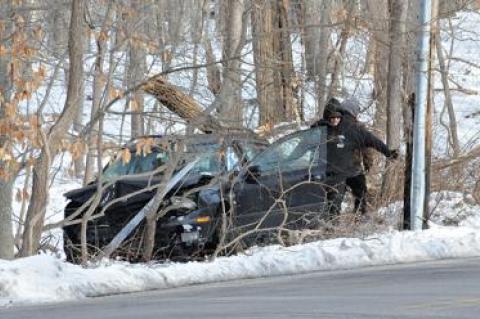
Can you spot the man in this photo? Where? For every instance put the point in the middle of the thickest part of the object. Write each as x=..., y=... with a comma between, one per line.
x=363, y=160
x=336, y=191
x=344, y=139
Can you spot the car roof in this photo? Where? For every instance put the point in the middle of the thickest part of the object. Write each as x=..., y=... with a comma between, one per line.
x=199, y=139
x=283, y=138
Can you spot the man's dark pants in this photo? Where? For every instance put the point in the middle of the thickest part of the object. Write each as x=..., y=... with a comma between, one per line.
x=358, y=185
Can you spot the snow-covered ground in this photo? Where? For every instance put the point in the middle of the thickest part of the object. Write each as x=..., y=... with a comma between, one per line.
x=47, y=278
x=454, y=232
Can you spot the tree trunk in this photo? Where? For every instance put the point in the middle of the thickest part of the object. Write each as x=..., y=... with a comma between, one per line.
x=136, y=67
x=339, y=55
x=99, y=80
x=197, y=35
x=452, y=132
x=394, y=89
x=285, y=61
x=380, y=22
x=312, y=10
x=6, y=230
x=36, y=209
x=229, y=100
x=273, y=61
x=322, y=63
x=213, y=71
x=79, y=161
x=96, y=100
x=57, y=26
x=263, y=54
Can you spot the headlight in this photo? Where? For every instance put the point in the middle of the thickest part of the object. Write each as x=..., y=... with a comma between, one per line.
x=183, y=202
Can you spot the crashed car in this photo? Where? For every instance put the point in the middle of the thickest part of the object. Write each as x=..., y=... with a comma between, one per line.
x=129, y=185
x=237, y=187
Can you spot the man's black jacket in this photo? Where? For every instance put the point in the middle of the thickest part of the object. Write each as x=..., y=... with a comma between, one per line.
x=343, y=142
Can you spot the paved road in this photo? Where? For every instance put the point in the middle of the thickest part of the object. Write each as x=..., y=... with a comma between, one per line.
x=445, y=289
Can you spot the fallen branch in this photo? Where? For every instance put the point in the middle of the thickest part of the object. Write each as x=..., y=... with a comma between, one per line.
x=181, y=104
x=473, y=154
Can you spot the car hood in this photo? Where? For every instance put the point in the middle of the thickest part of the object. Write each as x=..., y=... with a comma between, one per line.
x=129, y=185
x=81, y=194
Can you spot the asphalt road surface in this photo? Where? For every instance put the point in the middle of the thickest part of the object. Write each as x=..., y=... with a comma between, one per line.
x=444, y=289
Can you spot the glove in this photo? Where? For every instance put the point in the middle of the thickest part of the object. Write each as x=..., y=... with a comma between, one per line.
x=321, y=122
x=393, y=154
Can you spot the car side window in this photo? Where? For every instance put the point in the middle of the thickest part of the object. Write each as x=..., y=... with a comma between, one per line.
x=301, y=150
x=231, y=159
x=148, y=162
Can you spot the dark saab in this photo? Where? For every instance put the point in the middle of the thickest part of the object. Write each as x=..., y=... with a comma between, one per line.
x=238, y=186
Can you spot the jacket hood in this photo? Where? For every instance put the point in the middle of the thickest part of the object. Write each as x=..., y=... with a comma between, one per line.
x=351, y=106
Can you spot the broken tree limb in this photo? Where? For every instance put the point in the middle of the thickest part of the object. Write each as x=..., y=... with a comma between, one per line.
x=471, y=155
x=182, y=104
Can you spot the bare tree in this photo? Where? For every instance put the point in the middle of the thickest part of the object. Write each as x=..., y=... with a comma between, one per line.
x=136, y=64
x=272, y=51
x=395, y=98
x=379, y=16
x=229, y=99
x=452, y=131
x=37, y=207
x=340, y=48
x=262, y=29
x=322, y=63
x=99, y=82
x=6, y=231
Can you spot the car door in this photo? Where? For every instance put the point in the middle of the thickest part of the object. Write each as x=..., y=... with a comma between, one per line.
x=283, y=182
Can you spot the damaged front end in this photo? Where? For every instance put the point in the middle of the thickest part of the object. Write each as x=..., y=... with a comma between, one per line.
x=185, y=222
x=188, y=227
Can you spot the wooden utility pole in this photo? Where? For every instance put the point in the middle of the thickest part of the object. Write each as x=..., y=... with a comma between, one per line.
x=408, y=131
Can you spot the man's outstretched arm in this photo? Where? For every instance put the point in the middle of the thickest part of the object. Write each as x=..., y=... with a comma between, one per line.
x=368, y=139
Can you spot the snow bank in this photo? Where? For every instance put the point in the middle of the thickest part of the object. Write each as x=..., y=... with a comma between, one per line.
x=43, y=278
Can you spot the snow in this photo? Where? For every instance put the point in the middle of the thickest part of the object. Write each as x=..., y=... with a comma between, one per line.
x=46, y=278
x=454, y=230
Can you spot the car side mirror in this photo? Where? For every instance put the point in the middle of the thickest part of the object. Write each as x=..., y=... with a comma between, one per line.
x=253, y=172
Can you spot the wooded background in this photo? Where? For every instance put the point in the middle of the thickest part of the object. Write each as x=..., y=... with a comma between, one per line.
x=80, y=76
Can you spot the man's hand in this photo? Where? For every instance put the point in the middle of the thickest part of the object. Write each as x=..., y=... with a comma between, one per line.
x=393, y=154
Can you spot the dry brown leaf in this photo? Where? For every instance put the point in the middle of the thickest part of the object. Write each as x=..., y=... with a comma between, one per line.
x=102, y=36
x=33, y=120
x=77, y=149
x=19, y=135
x=3, y=50
x=9, y=109
x=133, y=105
x=41, y=71
x=139, y=146
x=126, y=156
x=25, y=194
